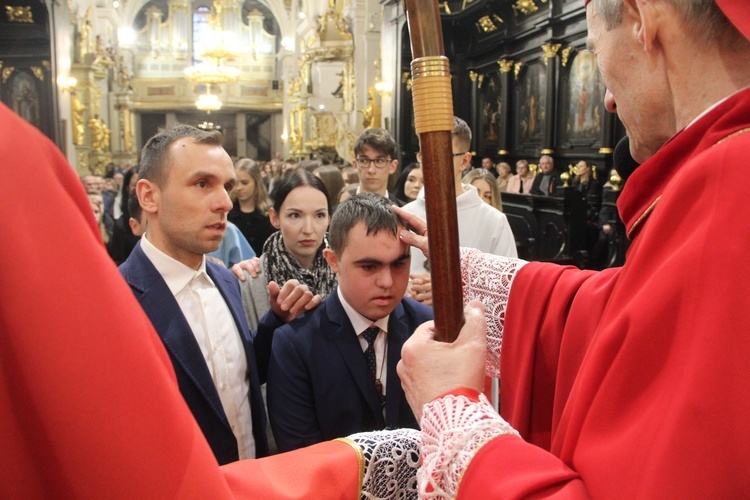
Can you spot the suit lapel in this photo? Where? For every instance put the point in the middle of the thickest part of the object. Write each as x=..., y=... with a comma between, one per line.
x=398, y=333
x=345, y=339
x=175, y=332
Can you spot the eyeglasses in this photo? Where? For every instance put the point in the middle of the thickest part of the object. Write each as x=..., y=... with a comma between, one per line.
x=365, y=162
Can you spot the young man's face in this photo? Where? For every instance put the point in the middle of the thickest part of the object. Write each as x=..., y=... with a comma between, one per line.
x=187, y=216
x=373, y=271
x=374, y=167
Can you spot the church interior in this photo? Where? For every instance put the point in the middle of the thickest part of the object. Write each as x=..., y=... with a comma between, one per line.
x=301, y=79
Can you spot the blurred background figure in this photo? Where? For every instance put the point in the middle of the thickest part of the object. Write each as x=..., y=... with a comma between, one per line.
x=409, y=183
x=250, y=210
x=486, y=186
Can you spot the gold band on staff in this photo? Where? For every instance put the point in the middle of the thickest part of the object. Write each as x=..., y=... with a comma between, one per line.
x=432, y=94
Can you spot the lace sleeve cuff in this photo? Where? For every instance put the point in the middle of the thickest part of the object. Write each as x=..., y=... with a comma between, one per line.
x=388, y=463
x=454, y=428
x=488, y=278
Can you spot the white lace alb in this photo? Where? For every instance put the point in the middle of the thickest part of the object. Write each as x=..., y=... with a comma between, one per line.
x=391, y=462
x=488, y=278
x=454, y=428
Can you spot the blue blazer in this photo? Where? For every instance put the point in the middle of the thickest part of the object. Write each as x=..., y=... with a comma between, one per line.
x=319, y=386
x=193, y=376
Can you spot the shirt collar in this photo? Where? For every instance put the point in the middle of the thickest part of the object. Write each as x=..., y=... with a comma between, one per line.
x=176, y=274
x=359, y=322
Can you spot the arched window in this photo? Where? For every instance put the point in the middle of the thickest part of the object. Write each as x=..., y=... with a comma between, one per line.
x=200, y=29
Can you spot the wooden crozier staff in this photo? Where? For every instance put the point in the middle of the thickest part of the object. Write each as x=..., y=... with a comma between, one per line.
x=433, y=119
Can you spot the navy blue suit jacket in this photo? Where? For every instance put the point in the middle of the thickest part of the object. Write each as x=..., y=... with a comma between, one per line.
x=193, y=376
x=319, y=386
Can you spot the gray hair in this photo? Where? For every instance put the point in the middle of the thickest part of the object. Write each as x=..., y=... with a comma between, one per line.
x=703, y=17
x=461, y=131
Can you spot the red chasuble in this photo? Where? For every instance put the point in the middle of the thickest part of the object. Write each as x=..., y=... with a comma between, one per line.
x=89, y=404
x=635, y=382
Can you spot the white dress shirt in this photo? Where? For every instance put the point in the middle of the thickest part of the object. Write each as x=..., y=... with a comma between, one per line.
x=360, y=324
x=214, y=329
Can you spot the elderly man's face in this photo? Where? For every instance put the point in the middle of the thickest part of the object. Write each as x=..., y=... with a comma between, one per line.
x=545, y=163
x=636, y=81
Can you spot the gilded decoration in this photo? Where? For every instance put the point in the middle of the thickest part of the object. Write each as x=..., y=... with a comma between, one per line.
x=371, y=116
x=517, y=68
x=473, y=76
x=465, y=3
x=550, y=51
x=38, y=73
x=19, y=14
x=99, y=135
x=565, y=54
x=506, y=65
x=485, y=24
x=7, y=71
x=79, y=129
x=446, y=8
x=525, y=7
x=406, y=80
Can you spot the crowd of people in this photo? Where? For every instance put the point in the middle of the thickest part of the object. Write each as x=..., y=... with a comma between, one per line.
x=623, y=383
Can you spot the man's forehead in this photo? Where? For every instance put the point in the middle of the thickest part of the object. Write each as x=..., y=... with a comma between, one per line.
x=373, y=153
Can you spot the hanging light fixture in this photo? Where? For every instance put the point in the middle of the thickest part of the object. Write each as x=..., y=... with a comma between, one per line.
x=208, y=102
x=217, y=46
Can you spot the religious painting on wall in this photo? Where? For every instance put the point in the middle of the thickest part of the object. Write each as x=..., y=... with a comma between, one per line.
x=530, y=108
x=582, y=109
x=25, y=97
x=492, y=110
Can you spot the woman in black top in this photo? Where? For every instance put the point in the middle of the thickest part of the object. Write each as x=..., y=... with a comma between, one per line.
x=250, y=211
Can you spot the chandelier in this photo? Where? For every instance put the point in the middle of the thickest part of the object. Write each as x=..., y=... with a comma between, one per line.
x=212, y=73
x=208, y=102
x=216, y=47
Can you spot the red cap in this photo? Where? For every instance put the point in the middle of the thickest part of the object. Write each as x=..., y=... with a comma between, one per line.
x=738, y=12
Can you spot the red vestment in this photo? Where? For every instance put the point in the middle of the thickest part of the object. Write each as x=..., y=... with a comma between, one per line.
x=89, y=404
x=631, y=382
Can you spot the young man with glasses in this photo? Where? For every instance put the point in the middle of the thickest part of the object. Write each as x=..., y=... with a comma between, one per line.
x=375, y=152
x=480, y=225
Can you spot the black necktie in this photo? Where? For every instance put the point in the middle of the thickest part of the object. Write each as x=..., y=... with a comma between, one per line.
x=369, y=336
x=520, y=190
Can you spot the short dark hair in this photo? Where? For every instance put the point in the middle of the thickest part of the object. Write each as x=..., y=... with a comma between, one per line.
x=372, y=209
x=295, y=179
x=378, y=139
x=155, y=156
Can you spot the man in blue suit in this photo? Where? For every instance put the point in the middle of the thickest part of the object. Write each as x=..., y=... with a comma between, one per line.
x=195, y=305
x=333, y=371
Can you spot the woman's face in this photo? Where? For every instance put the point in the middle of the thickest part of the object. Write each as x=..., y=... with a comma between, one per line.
x=303, y=220
x=245, y=187
x=583, y=169
x=485, y=190
x=96, y=207
x=132, y=183
x=414, y=183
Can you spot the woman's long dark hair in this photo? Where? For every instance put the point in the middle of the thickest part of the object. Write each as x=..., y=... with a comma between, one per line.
x=298, y=178
x=124, y=208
